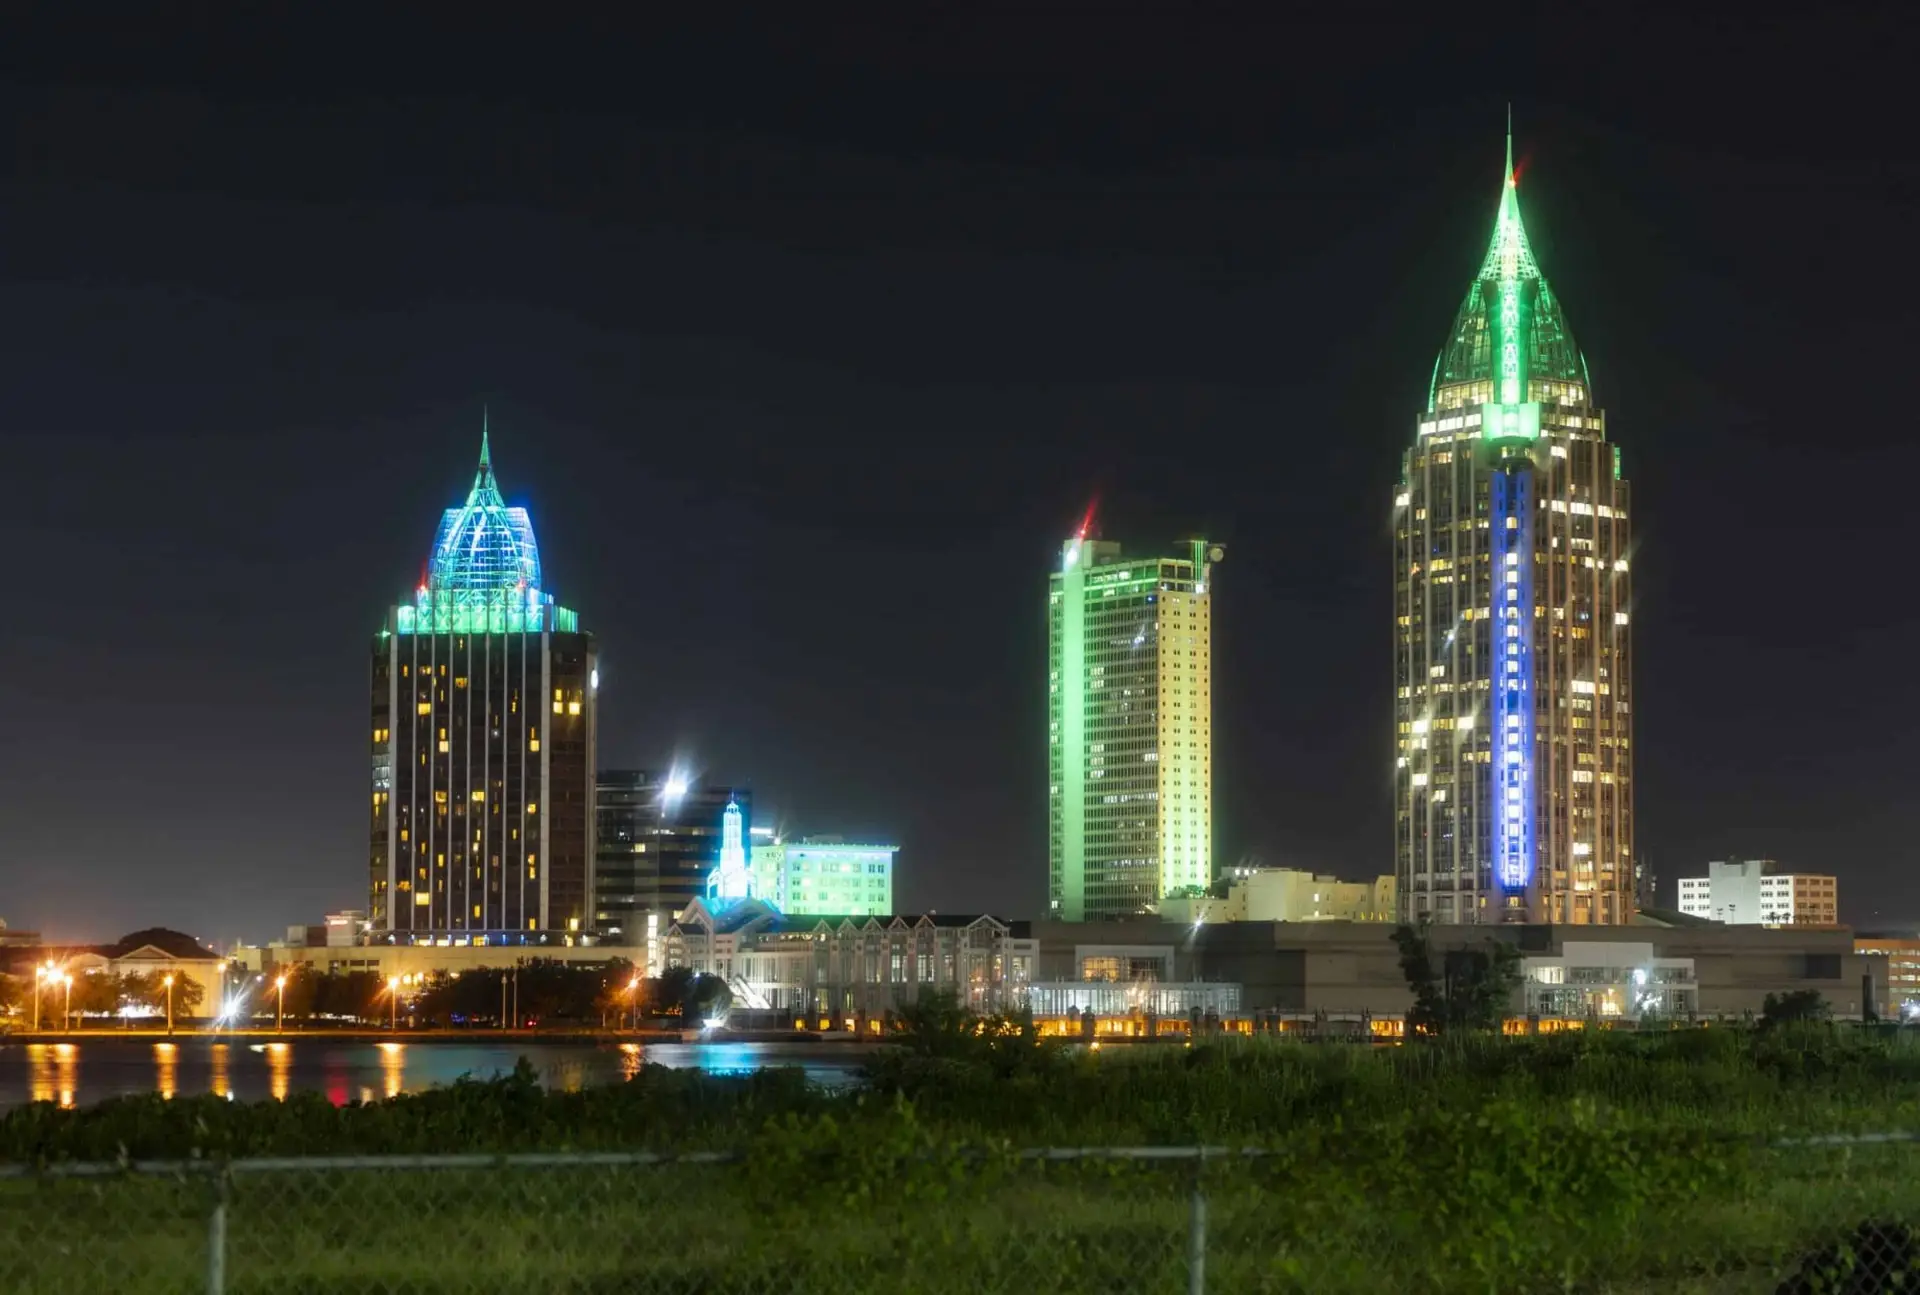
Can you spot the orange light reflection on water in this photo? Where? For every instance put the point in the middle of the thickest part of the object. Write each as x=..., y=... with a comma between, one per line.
x=66, y=1072
x=166, y=1064
x=393, y=1066
x=279, y=1070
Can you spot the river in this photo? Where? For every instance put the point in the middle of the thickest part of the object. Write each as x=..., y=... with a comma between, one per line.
x=90, y=1070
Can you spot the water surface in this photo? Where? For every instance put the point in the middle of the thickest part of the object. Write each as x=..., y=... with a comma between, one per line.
x=89, y=1070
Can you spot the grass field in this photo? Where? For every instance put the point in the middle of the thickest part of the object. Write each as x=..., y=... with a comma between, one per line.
x=1605, y=1164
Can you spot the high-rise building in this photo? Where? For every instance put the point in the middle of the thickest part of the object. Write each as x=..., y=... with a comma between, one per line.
x=1512, y=607
x=483, y=743
x=824, y=876
x=1754, y=892
x=660, y=839
x=1130, y=728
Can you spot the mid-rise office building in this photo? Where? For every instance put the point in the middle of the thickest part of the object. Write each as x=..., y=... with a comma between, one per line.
x=1130, y=728
x=1901, y=949
x=1286, y=895
x=482, y=743
x=824, y=876
x=1513, y=620
x=660, y=840
x=1755, y=892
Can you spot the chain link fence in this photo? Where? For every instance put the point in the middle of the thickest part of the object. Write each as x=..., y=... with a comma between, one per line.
x=1831, y=1216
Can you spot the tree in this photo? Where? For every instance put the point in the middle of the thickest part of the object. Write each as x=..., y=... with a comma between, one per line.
x=686, y=993
x=1469, y=989
x=1793, y=1006
x=95, y=993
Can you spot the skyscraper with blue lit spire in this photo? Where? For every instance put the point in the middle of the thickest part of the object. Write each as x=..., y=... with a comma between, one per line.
x=483, y=743
x=1513, y=619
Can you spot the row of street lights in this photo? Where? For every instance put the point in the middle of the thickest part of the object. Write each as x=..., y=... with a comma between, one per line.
x=52, y=975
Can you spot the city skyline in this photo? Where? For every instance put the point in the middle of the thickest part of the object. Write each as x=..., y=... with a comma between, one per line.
x=806, y=371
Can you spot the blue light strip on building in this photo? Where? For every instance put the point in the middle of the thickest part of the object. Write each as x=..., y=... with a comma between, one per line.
x=1511, y=549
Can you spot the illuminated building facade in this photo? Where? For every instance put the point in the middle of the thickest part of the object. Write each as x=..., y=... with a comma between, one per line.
x=824, y=876
x=1754, y=892
x=659, y=843
x=483, y=744
x=731, y=879
x=1513, y=634
x=1130, y=728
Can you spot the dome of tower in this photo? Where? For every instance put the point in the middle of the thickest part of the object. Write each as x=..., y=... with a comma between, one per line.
x=484, y=551
x=483, y=575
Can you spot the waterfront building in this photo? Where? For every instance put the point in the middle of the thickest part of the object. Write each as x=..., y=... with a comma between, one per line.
x=843, y=973
x=1130, y=727
x=483, y=692
x=1754, y=892
x=1513, y=619
x=154, y=952
x=813, y=875
x=660, y=837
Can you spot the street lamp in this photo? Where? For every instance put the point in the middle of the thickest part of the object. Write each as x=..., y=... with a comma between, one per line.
x=66, y=1007
x=393, y=994
x=633, y=1000
x=168, y=982
x=280, y=1010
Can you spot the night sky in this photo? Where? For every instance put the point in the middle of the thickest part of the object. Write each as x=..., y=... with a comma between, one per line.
x=807, y=344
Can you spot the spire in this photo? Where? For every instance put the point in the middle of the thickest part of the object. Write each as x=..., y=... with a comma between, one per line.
x=1509, y=255
x=485, y=489
x=1509, y=171
x=1509, y=277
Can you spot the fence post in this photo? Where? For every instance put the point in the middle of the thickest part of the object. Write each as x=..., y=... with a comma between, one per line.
x=217, y=1237
x=1197, y=1230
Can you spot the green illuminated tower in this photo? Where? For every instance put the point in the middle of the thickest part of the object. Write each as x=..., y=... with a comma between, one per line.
x=1130, y=728
x=483, y=696
x=1513, y=636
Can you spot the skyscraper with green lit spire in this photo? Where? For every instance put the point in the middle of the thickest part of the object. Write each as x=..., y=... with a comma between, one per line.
x=1513, y=623
x=483, y=694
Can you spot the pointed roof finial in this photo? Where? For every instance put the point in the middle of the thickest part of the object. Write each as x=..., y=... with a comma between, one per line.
x=1509, y=142
x=485, y=489
x=486, y=458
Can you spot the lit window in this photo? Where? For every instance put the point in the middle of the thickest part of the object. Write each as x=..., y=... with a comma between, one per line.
x=426, y=708
x=573, y=708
